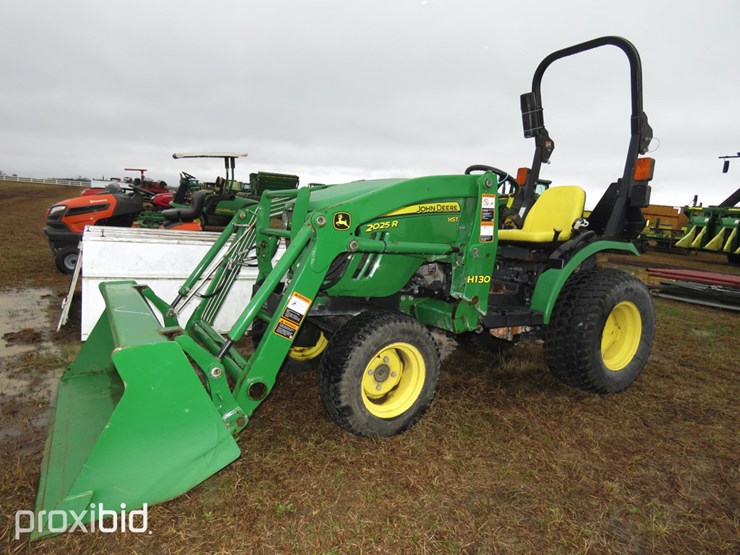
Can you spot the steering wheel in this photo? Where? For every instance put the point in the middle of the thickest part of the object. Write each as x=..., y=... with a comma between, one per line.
x=186, y=175
x=143, y=192
x=504, y=178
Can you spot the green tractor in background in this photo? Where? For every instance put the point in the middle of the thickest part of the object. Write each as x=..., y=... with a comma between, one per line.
x=200, y=205
x=152, y=405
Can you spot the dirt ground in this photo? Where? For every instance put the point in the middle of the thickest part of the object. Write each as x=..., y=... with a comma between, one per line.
x=507, y=460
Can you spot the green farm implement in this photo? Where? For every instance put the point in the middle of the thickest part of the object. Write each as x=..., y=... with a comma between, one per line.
x=152, y=405
x=665, y=225
x=715, y=228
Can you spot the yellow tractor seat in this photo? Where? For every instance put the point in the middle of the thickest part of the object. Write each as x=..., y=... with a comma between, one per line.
x=551, y=217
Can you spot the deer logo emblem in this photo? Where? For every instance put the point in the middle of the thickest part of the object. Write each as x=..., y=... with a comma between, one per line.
x=342, y=221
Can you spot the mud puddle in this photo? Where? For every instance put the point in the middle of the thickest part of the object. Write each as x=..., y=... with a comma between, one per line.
x=25, y=402
x=23, y=319
x=28, y=372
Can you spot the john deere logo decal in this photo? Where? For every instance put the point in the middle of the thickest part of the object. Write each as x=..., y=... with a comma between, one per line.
x=342, y=221
x=427, y=208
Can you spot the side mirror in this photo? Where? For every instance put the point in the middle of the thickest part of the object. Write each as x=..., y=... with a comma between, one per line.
x=532, y=117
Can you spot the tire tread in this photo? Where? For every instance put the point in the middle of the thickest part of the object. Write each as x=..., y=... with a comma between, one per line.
x=337, y=395
x=577, y=322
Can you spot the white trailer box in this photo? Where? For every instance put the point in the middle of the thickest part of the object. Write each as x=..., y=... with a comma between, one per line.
x=161, y=259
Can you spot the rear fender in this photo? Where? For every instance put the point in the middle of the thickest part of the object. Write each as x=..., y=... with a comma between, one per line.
x=551, y=282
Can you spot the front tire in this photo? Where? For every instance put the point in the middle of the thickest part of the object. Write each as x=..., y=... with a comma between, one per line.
x=601, y=331
x=66, y=259
x=379, y=374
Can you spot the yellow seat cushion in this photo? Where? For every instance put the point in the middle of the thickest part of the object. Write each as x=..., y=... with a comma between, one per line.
x=556, y=210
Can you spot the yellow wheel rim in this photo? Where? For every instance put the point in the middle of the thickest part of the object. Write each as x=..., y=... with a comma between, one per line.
x=621, y=336
x=393, y=380
x=308, y=353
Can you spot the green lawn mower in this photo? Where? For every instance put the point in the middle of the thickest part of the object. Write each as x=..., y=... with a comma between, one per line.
x=152, y=405
x=213, y=205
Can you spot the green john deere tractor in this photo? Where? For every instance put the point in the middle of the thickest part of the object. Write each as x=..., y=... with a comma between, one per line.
x=152, y=405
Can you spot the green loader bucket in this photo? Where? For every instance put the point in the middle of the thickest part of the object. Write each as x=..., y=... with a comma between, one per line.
x=132, y=424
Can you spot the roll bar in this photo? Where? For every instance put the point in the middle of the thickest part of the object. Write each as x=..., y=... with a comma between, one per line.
x=641, y=132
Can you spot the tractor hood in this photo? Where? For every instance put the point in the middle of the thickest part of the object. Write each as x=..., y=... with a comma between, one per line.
x=381, y=196
x=333, y=195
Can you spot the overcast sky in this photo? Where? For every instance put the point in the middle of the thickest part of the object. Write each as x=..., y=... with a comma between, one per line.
x=338, y=90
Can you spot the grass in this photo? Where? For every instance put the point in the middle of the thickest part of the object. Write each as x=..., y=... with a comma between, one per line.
x=26, y=257
x=507, y=460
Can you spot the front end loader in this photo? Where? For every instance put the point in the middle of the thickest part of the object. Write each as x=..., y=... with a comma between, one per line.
x=152, y=405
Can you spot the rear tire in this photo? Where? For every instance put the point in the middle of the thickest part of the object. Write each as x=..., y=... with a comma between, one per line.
x=379, y=374
x=601, y=331
x=66, y=259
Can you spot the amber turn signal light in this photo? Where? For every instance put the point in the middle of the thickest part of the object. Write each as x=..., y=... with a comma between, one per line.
x=644, y=169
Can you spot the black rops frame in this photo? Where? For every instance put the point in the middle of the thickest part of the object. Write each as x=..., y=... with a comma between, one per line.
x=617, y=214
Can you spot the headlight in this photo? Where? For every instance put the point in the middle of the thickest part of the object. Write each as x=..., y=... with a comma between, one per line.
x=57, y=210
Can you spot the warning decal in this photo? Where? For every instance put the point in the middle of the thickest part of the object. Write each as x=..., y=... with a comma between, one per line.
x=292, y=316
x=297, y=308
x=486, y=233
x=487, y=217
x=285, y=329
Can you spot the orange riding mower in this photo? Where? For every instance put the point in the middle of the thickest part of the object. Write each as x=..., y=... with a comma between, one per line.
x=66, y=220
